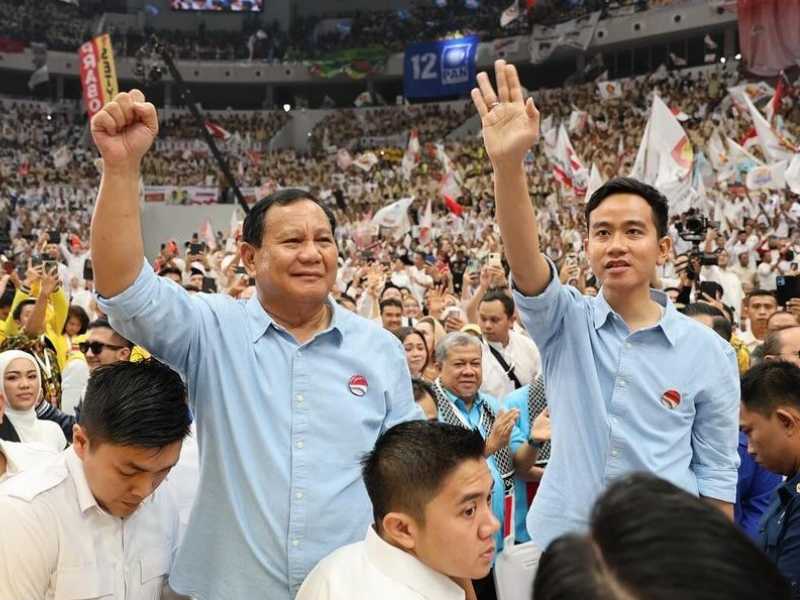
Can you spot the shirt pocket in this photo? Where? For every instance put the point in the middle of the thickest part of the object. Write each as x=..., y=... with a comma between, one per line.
x=155, y=569
x=90, y=582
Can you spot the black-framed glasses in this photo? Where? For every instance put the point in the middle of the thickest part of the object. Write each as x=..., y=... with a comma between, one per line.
x=97, y=347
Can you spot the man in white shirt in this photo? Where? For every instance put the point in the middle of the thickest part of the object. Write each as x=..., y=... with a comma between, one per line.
x=431, y=493
x=732, y=291
x=90, y=522
x=510, y=359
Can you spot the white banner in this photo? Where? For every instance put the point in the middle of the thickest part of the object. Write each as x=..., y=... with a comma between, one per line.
x=575, y=34
x=190, y=195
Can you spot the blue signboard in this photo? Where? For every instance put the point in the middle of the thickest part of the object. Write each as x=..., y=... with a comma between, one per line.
x=443, y=68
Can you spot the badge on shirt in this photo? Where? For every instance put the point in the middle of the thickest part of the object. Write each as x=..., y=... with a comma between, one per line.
x=358, y=385
x=671, y=399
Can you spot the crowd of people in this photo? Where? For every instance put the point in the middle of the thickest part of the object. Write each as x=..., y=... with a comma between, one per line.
x=314, y=333
x=67, y=27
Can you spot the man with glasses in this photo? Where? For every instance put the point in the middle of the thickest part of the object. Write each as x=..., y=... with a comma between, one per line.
x=104, y=346
x=783, y=344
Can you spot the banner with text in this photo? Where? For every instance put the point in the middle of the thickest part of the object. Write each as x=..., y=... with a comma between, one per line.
x=441, y=68
x=98, y=73
x=185, y=195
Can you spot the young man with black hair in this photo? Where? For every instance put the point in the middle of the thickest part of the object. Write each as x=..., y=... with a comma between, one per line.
x=761, y=305
x=631, y=384
x=391, y=314
x=510, y=359
x=771, y=419
x=91, y=523
x=650, y=539
x=433, y=529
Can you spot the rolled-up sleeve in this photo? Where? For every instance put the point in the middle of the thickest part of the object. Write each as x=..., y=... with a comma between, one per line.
x=158, y=315
x=715, y=434
x=543, y=314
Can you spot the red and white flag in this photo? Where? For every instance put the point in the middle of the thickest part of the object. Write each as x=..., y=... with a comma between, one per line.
x=217, y=131
x=773, y=107
x=774, y=146
x=426, y=224
x=207, y=234
x=679, y=114
x=665, y=150
x=567, y=166
x=411, y=155
x=453, y=206
x=450, y=186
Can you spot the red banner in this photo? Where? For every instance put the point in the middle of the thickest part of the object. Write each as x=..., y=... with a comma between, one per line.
x=98, y=73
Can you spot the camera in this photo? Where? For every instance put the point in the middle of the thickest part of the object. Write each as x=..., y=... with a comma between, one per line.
x=694, y=229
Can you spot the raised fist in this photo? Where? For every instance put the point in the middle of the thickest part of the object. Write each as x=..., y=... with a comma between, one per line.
x=124, y=130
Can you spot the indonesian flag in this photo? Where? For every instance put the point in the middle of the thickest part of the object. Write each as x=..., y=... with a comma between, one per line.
x=595, y=182
x=411, y=155
x=749, y=139
x=774, y=106
x=567, y=166
x=426, y=224
x=217, y=131
x=207, y=234
x=453, y=206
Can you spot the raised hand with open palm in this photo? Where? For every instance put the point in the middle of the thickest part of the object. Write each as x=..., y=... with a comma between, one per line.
x=510, y=122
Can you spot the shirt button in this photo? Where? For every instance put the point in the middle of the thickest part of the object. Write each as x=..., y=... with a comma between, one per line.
x=300, y=398
x=621, y=383
x=300, y=444
x=299, y=495
x=628, y=345
x=615, y=453
x=295, y=543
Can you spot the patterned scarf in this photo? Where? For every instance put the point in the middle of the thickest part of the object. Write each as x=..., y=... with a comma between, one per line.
x=537, y=402
x=449, y=414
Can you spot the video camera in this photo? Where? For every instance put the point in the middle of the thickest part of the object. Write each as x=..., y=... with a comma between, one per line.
x=694, y=228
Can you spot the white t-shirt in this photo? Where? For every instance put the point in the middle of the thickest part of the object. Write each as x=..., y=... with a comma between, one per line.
x=521, y=353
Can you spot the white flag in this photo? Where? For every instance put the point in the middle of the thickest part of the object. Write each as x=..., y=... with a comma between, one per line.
x=234, y=224
x=595, y=182
x=366, y=161
x=609, y=90
x=39, y=76
x=426, y=224
x=772, y=177
x=774, y=148
x=793, y=174
x=207, y=234
x=755, y=91
x=411, y=155
x=663, y=135
x=394, y=216
x=510, y=14
x=716, y=151
x=577, y=121
x=62, y=157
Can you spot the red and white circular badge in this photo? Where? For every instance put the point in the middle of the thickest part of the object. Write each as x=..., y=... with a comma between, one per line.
x=358, y=385
x=671, y=399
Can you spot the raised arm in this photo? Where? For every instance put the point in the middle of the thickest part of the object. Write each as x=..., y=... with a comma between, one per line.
x=510, y=127
x=123, y=132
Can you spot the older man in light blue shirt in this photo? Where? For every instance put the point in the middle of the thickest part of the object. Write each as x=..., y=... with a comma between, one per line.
x=288, y=389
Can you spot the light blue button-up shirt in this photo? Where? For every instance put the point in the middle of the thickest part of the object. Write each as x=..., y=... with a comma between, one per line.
x=604, y=388
x=281, y=429
x=473, y=417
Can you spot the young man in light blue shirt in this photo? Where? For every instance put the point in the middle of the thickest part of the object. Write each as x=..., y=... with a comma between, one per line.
x=289, y=390
x=632, y=385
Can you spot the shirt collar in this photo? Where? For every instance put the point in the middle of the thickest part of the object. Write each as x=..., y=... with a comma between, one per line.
x=790, y=489
x=459, y=402
x=86, y=499
x=405, y=569
x=260, y=320
x=668, y=322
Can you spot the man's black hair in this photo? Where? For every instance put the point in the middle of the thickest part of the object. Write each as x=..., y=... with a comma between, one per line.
x=410, y=463
x=628, y=185
x=103, y=323
x=760, y=292
x=650, y=539
x=390, y=302
x=502, y=298
x=170, y=271
x=18, y=310
x=719, y=322
x=253, y=228
x=141, y=404
x=770, y=384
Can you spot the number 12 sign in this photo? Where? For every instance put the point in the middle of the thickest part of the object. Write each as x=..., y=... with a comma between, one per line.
x=442, y=68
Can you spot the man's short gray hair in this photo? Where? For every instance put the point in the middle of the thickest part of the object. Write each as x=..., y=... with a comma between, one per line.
x=456, y=339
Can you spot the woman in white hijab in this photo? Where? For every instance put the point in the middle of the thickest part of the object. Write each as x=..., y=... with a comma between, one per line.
x=21, y=391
